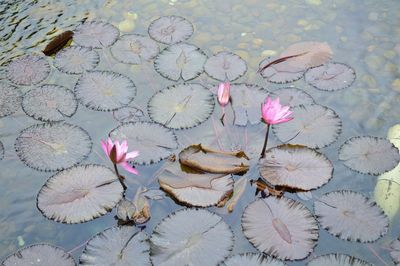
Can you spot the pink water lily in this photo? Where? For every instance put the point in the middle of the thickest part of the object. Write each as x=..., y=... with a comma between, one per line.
x=118, y=154
x=224, y=93
x=274, y=113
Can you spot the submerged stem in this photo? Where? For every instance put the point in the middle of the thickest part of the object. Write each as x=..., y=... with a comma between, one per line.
x=265, y=143
x=120, y=178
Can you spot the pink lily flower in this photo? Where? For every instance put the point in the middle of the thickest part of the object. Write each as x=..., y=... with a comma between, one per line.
x=274, y=113
x=118, y=154
x=224, y=93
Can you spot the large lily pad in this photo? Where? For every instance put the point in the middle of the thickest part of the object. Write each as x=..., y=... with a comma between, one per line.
x=170, y=29
x=315, y=126
x=10, y=99
x=181, y=106
x=337, y=260
x=251, y=259
x=191, y=237
x=292, y=96
x=180, y=61
x=117, y=246
x=96, y=34
x=208, y=160
x=280, y=227
x=154, y=141
x=79, y=194
x=134, y=49
x=28, y=70
x=225, y=66
x=76, y=60
x=295, y=167
x=351, y=216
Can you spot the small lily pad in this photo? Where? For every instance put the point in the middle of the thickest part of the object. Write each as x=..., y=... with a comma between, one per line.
x=280, y=72
x=28, y=70
x=292, y=96
x=125, y=210
x=10, y=99
x=128, y=114
x=134, y=49
x=251, y=259
x=170, y=29
x=337, y=260
x=142, y=207
x=225, y=66
x=96, y=34
x=76, y=60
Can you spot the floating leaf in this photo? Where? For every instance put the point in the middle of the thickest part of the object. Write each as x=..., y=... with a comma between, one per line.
x=153, y=194
x=251, y=259
x=76, y=60
x=330, y=77
x=369, y=155
x=79, y=194
x=246, y=103
x=204, y=159
x=191, y=237
x=387, y=195
x=196, y=189
x=281, y=228
x=1, y=151
x=117, y=246
x=28, y=70
x=53, y=147
x=395, y=253
x=295, y=167
x=125, y=210
x=181, y=106
x=104, y=90
x=292, y=96
x=134, y=49
x=10, y=99
x=58, y=42
x=351, y=216
x=40, y=255
x=96, y=34
x=170, y=29
x=315, y=126
x=50, y=103
x=142, y=213
x=225, y=66
x=280, y=72
x=154, y=141
x=180, y=61
x=128, y=114
x=337, y=260
x=393, y=135
x=238, y=190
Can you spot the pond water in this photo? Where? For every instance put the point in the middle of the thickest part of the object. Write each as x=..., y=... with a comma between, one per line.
x=362, y=34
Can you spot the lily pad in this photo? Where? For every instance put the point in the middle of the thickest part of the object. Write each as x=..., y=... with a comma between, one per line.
x=128, y=114
x=280, y=227
x=295, y=167
x=50, y=103
x=154, y=141
x=96, y=34
x=125, y=210
x=53, y=147
x=246, y=102
x=369, y=155
x=76, y=60
x=351, y=216
x=10, y=99
x=117, y=246
x=134, y=49
x=170, y=29
x=238, y=189
x=208, y=160
x=330, y=77
x=196, y=189
x=104, y=90
x=28, y=70
x=292, y=96
x=191, y=237
x=142, y=207
x=79, y=194
x=251, y=259
x=315, y=126
x=337, y=260
x=40, y=255
x=395, y=253
x=280, y=72
x=180, y=61
x=181, y=106
x=225, y=66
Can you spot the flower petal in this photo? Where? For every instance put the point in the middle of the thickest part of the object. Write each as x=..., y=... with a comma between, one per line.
x=129, y=168
x=131, y=155
x=104, y=147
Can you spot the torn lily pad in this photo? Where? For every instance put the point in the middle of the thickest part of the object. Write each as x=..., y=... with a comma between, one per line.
x=238, y=190
x=134, y=49
x=117, y=246
x=76, y=60
x=180, y=61
x=142, y=207
x=125, y=210
x=337, y=259
x=251, y=259
x=225, y=66
x=204, y=159
x=10, y=99
x=191, y=237
x=181, y=106
x=28, y=70
x=96, y=34
x=292, y=96
x=170, y=29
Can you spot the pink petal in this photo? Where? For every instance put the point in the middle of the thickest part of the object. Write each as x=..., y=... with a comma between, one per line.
x=104, y=147
x=110, y=144
x=131, y=155
x=129, y=168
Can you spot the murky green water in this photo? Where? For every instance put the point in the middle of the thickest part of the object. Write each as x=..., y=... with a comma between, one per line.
x=362, y=34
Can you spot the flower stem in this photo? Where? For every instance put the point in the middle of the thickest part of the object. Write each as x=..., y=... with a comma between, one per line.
x=265, y=143
x=120, y=178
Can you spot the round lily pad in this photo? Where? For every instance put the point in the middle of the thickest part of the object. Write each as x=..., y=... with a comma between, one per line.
x=225, y=66
x=128, y=114
x=251, y=259
x=95, y=34
x=28, y=70
x=292, y=96
x=117, y=246
x=181, y=106
x=10, y=99
x=153, y=141
x=180, y=61
x=337, y=260
x=134, y=48
x=170, y=29
x=330, y=77
x=369, y=155
x=281, y=72
x=315, y=126
x=191, y=237
x=76, y=60
x=40, y=255
x=104, y=90
x=295, y=167
x=53, y=147
x=351, y=216
x=50, y=103
x=280, y=227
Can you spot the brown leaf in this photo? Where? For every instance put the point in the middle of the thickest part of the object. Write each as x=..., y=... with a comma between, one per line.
x=58, y=42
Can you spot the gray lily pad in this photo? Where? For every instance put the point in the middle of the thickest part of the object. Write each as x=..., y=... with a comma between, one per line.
x=251, y=259
x=117, y=246
x=125, y=210
x=292, y=96
x=337, y=260
x=28, y=70
x=95, y=34
x=170, y=29
x=76, y=60
x=181, y=106
x=395, y=253
x=128, y=114
x=225, y=66
x=180, y=61
x=10, y=99
x=134, y=49
x=281, y=72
